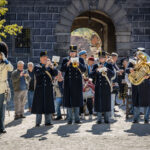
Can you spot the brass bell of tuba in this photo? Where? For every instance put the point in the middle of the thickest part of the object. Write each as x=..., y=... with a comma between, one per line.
x=141, y=69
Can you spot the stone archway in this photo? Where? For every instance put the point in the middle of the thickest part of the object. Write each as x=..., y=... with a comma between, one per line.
x=107, y=8
x=101, y=24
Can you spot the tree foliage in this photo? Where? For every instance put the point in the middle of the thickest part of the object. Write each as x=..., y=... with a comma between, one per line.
x=12, y=29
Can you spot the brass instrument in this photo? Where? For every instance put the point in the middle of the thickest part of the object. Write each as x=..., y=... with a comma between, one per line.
x=141, y=69
x=75, y=61
x=55, y=60
x=55, y=64
x=103, y=71
x=75, y=64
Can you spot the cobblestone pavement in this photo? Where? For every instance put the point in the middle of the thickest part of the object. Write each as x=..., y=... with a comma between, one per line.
x=119, y=135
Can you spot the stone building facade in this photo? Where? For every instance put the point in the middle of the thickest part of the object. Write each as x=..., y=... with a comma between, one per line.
x=123, y=24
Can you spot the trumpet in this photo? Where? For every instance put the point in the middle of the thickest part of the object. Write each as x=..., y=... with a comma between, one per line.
x=75, y=64
x=55, y=64
x=103, y=70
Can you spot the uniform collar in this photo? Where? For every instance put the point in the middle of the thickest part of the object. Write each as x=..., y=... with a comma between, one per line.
x=43, y=65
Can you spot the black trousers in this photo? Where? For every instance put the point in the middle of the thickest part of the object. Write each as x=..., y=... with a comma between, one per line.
x=89, y=103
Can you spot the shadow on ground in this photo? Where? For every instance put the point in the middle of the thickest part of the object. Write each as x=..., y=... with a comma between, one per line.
x=38, y=132
x=66, y=130
x=139, y=130
x=98, y=129
x=14, y=123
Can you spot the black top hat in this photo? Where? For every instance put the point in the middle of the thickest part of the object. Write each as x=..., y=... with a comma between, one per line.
x=43, y=53
x=73, y=48
x=4, y=48
x=102, y=54
x=122, y=60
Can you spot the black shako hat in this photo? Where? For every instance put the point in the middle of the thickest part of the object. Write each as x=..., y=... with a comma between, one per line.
x=102, y=54
x=43, y=53
x=73, y=48
x=4, y=48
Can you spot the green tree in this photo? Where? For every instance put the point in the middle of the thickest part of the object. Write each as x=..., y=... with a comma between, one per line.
x=13, y=29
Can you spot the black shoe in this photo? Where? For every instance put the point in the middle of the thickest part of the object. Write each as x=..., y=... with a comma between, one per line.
x=146, y=122
x=3, y=131
x=141, y=113
x=37, y=125
x=48, y=124
x=58, y=118
x=78, y=122
x=99, y=122
x=116, y=110
x=69, y=122
x=116, y=104
x=17, y=117
x=135, y=121
x=107, y=122
x=22, y=116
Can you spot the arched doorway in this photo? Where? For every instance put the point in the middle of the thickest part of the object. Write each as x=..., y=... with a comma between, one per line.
x=86, y=39
x=107, y=18
x=101, y=24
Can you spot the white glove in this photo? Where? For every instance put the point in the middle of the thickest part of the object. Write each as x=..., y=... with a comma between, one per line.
x=104, y=69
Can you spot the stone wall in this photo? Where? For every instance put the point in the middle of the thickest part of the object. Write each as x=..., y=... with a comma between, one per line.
x=50, y=22
x=138, y=13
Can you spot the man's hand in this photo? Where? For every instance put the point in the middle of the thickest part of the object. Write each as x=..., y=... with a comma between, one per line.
x=147, y=77
x=49, y=64
x=77, y=64
x=21, y=74
x=131, y=70
x=100, y=66
x=121, y=72
x=69, y=62
x=25, y=75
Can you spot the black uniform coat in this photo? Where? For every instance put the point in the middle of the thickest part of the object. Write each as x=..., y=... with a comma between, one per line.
x=102, y=101
x=73, y=95
x=43, y=102
x=122, y=86
x=140, y=93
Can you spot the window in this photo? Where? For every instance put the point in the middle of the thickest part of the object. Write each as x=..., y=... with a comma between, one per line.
x=23, y=42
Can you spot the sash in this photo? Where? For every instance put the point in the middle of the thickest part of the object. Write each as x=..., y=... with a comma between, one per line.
x=105, y=75
x=111, y=88
x=49, y=75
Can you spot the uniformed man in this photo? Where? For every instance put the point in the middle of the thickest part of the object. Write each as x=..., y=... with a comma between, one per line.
x=102, y=72
x=83, y=54
x=73, y=95
x=43, y=102
x=5, y=67
x=114, y=57
x=140, y=93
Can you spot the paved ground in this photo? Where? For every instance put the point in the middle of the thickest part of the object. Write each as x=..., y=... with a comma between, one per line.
x=119, y=135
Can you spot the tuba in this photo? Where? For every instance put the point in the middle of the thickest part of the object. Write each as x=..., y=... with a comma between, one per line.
x=141, y=69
